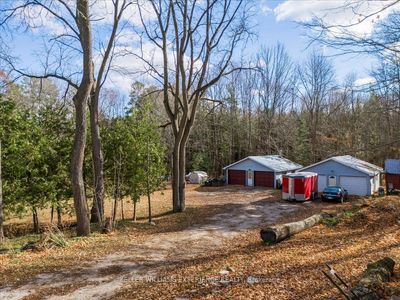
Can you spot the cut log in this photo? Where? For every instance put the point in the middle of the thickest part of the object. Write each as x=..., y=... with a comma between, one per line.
x=370, y=286
x=278, y=233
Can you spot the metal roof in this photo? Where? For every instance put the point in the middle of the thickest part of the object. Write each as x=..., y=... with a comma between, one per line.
x=352, y=162
x=392, y=166
x=276, y=163
x=301, y=174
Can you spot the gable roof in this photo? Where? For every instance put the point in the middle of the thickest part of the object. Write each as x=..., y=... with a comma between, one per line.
x=276, y=163
x=352, y=162
x=392, y=166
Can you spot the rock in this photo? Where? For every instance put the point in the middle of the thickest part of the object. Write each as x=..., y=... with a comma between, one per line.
x=152, y=224
x=377, y=273
x=224, y=272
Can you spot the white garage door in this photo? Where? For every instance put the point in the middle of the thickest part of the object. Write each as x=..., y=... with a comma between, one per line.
x=355, y=185
x=321, y=183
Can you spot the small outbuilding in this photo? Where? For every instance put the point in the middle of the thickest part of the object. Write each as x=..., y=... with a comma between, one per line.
x=358, y=177
x=198, y=177
x=263, y=171
x=392, y=174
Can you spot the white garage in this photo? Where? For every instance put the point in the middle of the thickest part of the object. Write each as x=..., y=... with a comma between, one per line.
x=358, y=177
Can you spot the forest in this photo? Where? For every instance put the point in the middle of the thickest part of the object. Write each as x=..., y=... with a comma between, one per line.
x=294, y=109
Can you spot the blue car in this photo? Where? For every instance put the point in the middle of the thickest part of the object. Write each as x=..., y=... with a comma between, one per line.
x=334, y=193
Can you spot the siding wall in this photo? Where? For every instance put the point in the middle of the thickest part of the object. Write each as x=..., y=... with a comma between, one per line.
x=333, y=168
x=246, y=165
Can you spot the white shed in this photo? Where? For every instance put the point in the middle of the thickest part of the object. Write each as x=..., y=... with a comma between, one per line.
x=197, y=177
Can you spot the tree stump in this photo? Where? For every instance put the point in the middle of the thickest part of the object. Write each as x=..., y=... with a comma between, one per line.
x=370, y=286
x=108, y=226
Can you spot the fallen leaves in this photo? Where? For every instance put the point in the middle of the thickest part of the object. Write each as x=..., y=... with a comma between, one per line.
x=291, y=269
x=240, y=268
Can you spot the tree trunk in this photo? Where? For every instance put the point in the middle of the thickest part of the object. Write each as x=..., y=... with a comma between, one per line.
x=277, y=233
x=52, y=214
x=122, y=210
x=134, y=211
x=175, y=178
x=97, y=212
x=149, y=202
x=114, y=215
x=372, y=279
x=148, y=182
x=78, y=185
x=1, y=200
x=59, y=220
x=35, y=220
x=182, y=173
x=80, y=102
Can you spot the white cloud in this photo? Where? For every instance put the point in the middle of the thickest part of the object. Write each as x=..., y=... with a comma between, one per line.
x=103, y=10
x=364, y=81
x=131, y=63
x=265, y=9
x=334, y=12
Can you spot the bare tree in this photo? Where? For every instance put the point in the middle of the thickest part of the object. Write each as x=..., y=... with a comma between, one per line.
x=274, y=80
x=316, y=79
x=381, y=40
x=197, y=40
x=347, y=39
x=119, y=7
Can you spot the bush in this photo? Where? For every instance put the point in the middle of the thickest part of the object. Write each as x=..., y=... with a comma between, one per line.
x=331, y=222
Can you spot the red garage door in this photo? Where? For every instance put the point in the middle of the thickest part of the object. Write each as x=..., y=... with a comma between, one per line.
x=262, y=178
x=236, y=177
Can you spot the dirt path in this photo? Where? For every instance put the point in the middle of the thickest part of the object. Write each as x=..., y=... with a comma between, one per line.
x=102, y=278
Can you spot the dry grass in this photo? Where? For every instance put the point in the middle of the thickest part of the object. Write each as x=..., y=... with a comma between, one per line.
x=160, y=200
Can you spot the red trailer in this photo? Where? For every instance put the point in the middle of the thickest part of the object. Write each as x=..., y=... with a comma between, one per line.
x=299, y=186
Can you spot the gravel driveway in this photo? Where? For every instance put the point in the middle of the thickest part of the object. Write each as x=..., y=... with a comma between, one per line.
x=104, y=277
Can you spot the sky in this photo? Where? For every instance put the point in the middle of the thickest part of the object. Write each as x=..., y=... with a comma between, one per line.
x=277, y=21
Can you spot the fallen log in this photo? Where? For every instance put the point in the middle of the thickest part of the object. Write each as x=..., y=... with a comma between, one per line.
x=370, y=286
x=277, y=233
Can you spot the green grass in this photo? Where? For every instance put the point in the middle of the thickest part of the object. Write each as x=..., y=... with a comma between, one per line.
x=15, y=244
x=330, y=222
x=349, y=214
